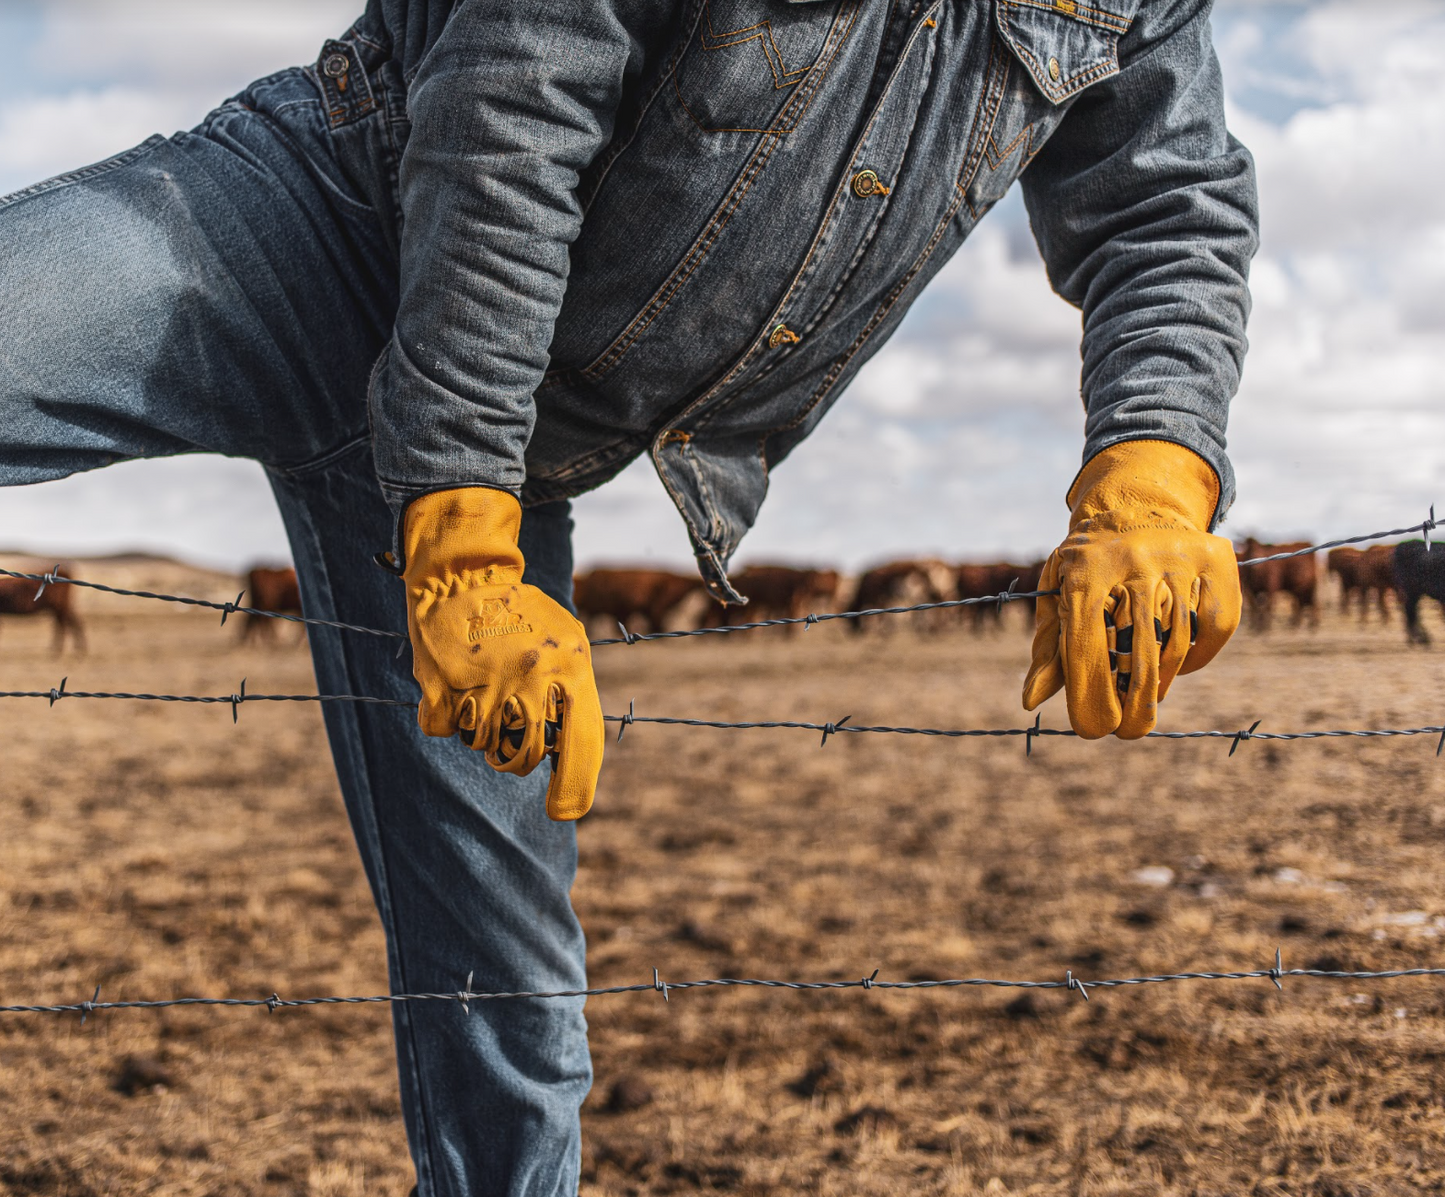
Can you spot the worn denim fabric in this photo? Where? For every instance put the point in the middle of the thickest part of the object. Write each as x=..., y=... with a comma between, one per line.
x=229, y=290
x=681, y=226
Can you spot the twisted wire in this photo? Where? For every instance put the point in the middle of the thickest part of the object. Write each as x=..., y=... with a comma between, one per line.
x=842, y=726
x=55, y=578
x=464, y=996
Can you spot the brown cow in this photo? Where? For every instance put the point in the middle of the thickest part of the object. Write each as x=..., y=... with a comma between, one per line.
x=904, y=584
x=1297, y=577
x=642, y=599
x=1377, y=576
x=1362, y=574
x=269, y=589
x=1345, y=564
x=18, y=596
x=777, y=592
x=983, y=581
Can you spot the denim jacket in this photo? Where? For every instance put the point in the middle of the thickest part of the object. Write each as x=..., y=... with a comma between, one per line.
x=681, y=226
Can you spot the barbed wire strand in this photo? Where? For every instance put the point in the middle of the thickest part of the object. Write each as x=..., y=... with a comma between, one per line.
x=1276, y=973
x=55, y=578
x=843, y=726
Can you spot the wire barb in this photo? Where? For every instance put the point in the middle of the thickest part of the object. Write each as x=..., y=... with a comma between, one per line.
x=49, y=578
x=1244, y=734
x=54, y=578
x=832, y=729
x=231, y=608
x=88, y=1008
x=628, y=719
x=1070, y=983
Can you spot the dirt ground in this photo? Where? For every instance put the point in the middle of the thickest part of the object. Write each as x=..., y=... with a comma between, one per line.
x=160, y=851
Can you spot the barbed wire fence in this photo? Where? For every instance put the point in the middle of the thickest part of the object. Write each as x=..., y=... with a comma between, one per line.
x=54, y=577
x=465, y=996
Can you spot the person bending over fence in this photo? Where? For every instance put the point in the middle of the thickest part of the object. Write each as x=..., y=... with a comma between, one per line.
x=481, y=254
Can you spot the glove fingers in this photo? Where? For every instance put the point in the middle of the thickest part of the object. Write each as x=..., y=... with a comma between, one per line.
x=1045, y=677
x=521, y=738
x=1137, y=679
x=1219, y=609
x=437, y=712
x=578, y=756
x=1177, y=616
x=1087, y=617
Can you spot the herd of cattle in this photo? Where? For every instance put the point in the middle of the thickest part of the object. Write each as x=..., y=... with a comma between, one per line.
x=648, y=600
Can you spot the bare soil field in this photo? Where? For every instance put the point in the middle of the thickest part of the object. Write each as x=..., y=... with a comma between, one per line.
x=161, y=851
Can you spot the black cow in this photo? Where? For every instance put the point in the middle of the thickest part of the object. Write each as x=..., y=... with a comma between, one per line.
x=1418, y=575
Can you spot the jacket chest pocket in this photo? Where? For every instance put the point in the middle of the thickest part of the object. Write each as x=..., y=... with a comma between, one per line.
x=746, y=68
x=1056, y=49
x=1064, y=46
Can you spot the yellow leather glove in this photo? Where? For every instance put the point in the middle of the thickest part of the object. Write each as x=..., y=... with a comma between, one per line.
x=1147, y=592
x=498, y=661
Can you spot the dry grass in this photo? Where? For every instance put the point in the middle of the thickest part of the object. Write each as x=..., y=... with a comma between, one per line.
x=160, y=851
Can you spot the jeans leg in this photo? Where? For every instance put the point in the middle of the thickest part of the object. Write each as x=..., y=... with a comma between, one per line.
x=223, y=290
x=219, y=290
x=468, y=872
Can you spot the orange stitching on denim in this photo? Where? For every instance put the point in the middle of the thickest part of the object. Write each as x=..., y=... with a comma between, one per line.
x=990, y=98
x=782, y=77
x=1074, y=83
x=818, y=238
x=783, y=123
x=878, y=316
x=694, y=258
x=1090, y=16
x=997, y=157
x=700, y=249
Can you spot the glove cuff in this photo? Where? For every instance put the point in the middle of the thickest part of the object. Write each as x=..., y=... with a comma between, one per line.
x=1159, y=475
x=463, y=530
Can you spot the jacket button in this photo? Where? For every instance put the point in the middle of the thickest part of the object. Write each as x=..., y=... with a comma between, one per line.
x=867, y=183
x=336, y=65
x=783, y=335
x=1054, y=69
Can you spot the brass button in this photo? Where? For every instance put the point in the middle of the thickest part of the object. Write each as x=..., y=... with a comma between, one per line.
x=1054, y=69
x=783, y=335
x=336, y=65
x=867, y=183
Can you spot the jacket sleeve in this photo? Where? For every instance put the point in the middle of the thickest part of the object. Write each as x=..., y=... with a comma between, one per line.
x=509, y=106
x=1145, y=210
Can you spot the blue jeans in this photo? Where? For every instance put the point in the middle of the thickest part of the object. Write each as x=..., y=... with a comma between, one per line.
x=228, y=291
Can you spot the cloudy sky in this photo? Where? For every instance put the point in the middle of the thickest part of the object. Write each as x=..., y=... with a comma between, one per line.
x=961, y=435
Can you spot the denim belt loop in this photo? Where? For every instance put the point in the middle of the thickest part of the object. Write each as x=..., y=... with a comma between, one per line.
x=344, y=83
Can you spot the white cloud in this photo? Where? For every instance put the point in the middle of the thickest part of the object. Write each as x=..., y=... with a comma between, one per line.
x=210, y=46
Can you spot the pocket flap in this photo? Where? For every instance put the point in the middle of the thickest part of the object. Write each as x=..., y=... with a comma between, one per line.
x=1064, y=45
